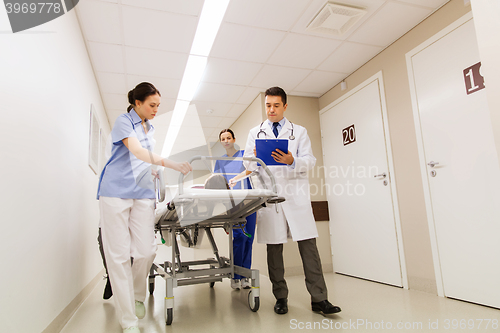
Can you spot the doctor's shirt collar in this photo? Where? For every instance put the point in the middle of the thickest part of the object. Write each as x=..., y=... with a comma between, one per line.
x=281, y=123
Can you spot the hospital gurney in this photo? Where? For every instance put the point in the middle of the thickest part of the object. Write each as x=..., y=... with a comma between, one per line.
x=194, y=210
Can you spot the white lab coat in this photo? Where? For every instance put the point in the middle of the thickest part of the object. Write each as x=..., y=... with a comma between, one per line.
x=292, y=184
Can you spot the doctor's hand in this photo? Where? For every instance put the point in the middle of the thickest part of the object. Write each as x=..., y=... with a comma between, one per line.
x=281, y=157
x=254, y=151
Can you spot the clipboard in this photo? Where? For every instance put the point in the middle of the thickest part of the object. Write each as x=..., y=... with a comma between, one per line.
x=265, y=147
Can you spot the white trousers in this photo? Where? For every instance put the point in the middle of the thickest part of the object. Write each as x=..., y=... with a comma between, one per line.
x=127, y=227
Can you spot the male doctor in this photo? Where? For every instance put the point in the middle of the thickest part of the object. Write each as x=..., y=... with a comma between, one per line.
x=293, y=217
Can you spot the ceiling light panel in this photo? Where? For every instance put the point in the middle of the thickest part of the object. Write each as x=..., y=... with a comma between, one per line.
x=208, y=26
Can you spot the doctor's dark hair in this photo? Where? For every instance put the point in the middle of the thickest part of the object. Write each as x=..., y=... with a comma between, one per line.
x=142, y=91
x=228, y=130
x=277, y=91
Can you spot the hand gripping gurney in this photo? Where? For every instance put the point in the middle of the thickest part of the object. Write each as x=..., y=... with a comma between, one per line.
x=193, y=211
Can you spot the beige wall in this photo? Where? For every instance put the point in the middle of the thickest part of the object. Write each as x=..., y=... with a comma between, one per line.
x=392, y=63
x=305, y=112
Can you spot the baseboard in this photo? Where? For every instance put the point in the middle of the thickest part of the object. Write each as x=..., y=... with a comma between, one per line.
x=420, y=284
x=60, y=321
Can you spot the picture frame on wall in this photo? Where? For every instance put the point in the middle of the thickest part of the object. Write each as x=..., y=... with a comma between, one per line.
x=94, y=140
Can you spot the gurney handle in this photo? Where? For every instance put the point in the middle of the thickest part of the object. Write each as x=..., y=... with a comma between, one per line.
x=214, y=158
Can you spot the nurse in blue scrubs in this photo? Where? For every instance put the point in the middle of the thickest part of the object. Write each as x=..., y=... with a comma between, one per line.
x=242, y=240
x=127, y=202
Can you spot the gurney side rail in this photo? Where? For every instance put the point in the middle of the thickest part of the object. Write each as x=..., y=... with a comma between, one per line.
x=215, y=158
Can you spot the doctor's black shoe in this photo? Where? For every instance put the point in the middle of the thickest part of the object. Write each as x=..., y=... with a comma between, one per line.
x=325, y=307
x=107, y=290
x=281, y=306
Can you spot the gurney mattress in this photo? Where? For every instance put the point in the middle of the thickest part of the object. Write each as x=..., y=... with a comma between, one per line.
x=206, y=207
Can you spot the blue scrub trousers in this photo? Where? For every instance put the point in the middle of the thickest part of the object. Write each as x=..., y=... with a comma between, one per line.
x=242, y=245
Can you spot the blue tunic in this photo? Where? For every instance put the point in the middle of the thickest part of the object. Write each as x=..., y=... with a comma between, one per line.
x=231, y=168
x=124, y=175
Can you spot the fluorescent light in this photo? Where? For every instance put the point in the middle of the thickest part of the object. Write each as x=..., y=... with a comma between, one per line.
x=174, y=127
x=210, y=19
x=192, y=76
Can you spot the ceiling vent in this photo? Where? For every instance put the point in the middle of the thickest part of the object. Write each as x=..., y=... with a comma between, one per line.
x=335, y=19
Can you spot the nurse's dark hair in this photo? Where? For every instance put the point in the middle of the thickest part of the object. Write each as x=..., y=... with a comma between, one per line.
x=277, y=91
x=228, y=130
x=142, y=91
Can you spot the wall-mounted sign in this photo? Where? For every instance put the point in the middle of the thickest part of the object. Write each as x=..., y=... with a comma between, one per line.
x=348, y=135
x=474, y=81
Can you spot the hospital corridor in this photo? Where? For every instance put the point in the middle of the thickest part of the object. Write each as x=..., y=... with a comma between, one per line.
x=366, y=306
x=250, y=166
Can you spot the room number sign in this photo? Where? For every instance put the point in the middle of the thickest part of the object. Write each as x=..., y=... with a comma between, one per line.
x=474, y=81
x=349, y=135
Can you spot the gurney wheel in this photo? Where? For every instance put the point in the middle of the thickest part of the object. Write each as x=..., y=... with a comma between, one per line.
x=170, y=316
x=253, y=302
x=212, y=284
x=151, y=288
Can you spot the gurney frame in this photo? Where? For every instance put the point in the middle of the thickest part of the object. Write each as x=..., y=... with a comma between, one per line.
x=180, y=273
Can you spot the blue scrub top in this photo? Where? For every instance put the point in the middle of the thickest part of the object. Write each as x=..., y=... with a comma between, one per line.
x=124, y=175
x=231, y=168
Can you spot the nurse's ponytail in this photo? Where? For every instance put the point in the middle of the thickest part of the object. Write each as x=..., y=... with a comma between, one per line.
x=140, y=93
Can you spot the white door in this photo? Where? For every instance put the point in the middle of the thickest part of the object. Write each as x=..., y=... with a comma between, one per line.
x=359, y=190
x=460, y=163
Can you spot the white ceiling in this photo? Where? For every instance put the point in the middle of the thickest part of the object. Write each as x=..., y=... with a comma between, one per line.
x=261, y=43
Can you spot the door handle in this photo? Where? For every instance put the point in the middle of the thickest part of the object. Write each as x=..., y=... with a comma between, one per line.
x=432, y=164
x=383, y=175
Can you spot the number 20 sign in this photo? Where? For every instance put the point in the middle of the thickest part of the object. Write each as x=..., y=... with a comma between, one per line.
x=348, y=135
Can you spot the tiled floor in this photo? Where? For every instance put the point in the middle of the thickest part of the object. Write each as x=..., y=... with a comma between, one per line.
x=366, y=307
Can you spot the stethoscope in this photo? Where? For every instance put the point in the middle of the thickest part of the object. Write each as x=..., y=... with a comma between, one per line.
x=291, y=137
